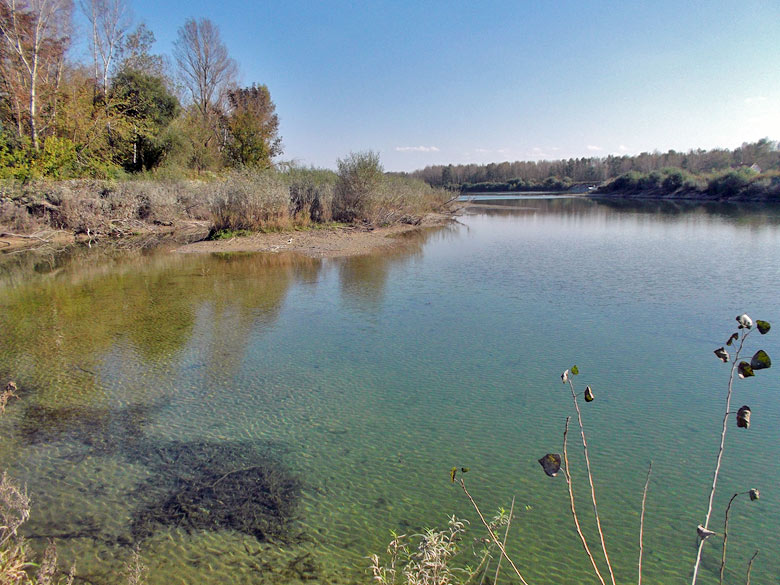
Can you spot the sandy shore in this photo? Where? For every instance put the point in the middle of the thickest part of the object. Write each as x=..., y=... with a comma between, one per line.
x=317, y=242
x=321, y=242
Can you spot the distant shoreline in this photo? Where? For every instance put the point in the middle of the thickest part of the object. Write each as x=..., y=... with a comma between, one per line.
x=650, y=195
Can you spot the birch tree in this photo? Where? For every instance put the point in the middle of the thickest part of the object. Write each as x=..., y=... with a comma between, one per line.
x=109, y=21
x=35, y=36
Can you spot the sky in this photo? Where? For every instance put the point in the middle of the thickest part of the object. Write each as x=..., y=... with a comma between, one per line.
x=437, y=82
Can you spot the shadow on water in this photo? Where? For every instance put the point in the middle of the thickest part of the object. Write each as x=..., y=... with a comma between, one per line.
x=239, y=486
x=102, y=430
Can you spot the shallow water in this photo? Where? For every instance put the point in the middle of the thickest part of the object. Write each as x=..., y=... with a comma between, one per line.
x=335, y=395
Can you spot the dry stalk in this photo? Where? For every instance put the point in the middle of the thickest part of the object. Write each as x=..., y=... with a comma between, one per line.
x=567, y=475
x=492, y=533
x=590, y=480
x=722, y=445
x=750, y=566
x=726, y=534
x=506, y=535
x=642, y=524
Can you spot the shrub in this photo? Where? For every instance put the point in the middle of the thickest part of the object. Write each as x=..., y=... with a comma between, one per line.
x=360, y=175
x=311, y=194
x=626, y=183
x=730, y=183
x=250, y=201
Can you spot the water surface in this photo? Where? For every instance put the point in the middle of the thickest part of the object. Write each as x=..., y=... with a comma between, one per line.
x=335, y=395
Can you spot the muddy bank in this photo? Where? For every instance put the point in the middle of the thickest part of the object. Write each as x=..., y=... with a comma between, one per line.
x=331, y=242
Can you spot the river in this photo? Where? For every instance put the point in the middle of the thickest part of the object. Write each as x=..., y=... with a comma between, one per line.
x=271, y=418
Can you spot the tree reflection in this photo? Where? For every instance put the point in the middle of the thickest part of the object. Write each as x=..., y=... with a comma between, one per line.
x=87, y=323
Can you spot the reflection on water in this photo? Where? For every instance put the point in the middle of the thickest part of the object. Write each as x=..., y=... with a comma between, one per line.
x=270, y=418
x=663, y=209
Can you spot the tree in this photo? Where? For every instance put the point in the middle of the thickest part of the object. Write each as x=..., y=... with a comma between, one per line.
x=137, y=55
x=109, y=20
x=253, y=126
x=35, y=36
x=147, y=107
x=205, y=67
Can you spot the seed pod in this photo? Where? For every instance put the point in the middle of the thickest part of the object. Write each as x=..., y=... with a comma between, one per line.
x=744, y=321
x=744, y=370
x=588, y=394
x=760, y=360
x=722, y=354
x=754, y=494
x=551, y=463
x=565, y=376
x=704, y=533
x=743, y=417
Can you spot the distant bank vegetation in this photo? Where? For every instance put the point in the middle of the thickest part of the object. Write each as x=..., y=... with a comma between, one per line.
x=751, y=171
x=237, y=201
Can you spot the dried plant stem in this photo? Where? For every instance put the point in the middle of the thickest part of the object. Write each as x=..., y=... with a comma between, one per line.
x=492, y=533
x=715, y=475
x=590, y=480
x=726, y=535
x=506, y=535
x=642, y=524
x=571, y=503
x=750, y=566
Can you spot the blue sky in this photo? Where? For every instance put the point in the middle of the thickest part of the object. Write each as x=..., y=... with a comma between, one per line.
x=458, y=82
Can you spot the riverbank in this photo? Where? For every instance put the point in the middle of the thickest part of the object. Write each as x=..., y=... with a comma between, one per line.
x=686, y=195
x=322, y=242
x=337, y=240
x=269, y=204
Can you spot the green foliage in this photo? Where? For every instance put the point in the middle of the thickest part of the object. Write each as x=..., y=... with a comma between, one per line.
x=147, y=107
x=730, y=183
x=228, y=234
x=58, y=158
x=253, y=126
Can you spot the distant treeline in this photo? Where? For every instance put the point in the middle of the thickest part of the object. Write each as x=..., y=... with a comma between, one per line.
x=757, y=163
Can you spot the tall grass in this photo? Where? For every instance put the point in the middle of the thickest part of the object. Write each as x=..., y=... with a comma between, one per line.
x=239, y=200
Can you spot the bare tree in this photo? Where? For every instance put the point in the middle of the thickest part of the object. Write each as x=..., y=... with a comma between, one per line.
x=205, y=67
x=110, y=20
x=137, y=53
x=35, y=36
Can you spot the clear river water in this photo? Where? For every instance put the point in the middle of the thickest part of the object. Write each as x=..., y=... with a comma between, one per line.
x=270, y=418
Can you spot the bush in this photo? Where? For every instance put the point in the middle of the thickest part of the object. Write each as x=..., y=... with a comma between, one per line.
x=250, y=201
x=730, y=183
x=360, y=176
x=626, y=183
x=311, y=194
